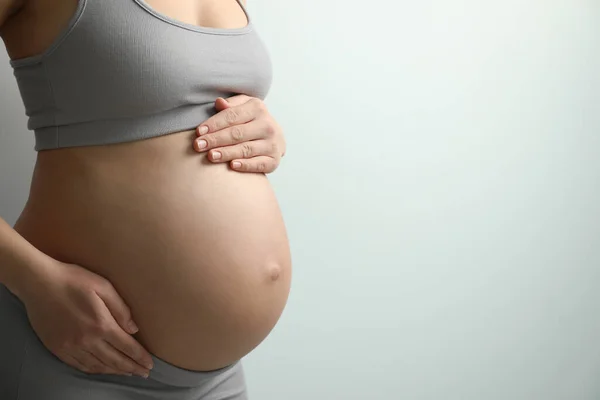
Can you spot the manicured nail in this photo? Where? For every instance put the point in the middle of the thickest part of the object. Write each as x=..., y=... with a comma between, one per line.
x=216, y=155
x=133, y=327
x=236, y=164
x=202, y=144
x=203, y=129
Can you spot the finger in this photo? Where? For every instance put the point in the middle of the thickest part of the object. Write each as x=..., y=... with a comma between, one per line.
x=260, y=164
x=246, y=150
x=236, y=134
x=90, y=363
x=73, y=362
x=104, y=367
x=116, y=360
x=117, y=307
x=235, y=115
x=127, y=345
x=222, y=104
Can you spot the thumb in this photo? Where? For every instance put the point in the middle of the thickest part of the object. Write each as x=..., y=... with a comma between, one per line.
x=119, y=310
x=232, y=101
x=221, y=104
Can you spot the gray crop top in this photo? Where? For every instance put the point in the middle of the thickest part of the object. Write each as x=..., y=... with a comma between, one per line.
x=121, y=72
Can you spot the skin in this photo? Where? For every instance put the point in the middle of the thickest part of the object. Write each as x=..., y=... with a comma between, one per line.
x=178, y=236
x=246, y=135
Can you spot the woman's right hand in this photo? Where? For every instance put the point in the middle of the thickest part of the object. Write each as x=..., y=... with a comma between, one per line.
x=79, y=316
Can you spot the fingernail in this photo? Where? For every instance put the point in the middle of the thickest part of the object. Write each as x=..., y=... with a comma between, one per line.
x=202, y=144
x=203, y=129
x=142, y=374
x=236, y=164
x=133, y=327
x=149, y=365
x=216, y=155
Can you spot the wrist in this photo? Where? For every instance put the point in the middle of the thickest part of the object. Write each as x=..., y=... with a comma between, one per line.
x=31, y=275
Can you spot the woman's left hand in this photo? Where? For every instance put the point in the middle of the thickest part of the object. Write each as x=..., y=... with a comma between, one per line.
x=243, y=133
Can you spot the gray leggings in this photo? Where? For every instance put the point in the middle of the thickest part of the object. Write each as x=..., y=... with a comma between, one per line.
x=28, y=371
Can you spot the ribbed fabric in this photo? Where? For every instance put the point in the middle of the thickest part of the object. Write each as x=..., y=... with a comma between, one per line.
x=120, y=71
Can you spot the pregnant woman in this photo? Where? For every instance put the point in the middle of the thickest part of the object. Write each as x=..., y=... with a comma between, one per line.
x=151, y=255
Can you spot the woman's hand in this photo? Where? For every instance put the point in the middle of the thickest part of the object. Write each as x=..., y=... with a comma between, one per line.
x=243, y=133
x=81, y=319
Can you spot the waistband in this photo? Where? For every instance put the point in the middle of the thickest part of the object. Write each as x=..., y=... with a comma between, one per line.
x=175, y=376
x=162, y=371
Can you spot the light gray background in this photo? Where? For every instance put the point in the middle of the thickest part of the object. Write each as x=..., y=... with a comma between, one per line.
x=441, y=192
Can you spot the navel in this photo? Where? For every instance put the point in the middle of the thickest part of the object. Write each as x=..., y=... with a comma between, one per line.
x=274, y=272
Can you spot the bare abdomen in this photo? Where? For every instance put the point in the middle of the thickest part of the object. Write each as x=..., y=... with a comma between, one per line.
x=199, y=252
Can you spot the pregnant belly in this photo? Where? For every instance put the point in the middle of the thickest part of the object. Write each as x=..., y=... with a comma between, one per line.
x=198, y=252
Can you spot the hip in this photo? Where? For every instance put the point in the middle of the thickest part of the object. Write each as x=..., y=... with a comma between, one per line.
x=29, y=371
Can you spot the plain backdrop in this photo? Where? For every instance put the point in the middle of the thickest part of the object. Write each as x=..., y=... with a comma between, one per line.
x=441, y=191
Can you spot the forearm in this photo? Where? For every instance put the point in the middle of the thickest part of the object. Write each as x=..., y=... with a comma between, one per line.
x=21, y=264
